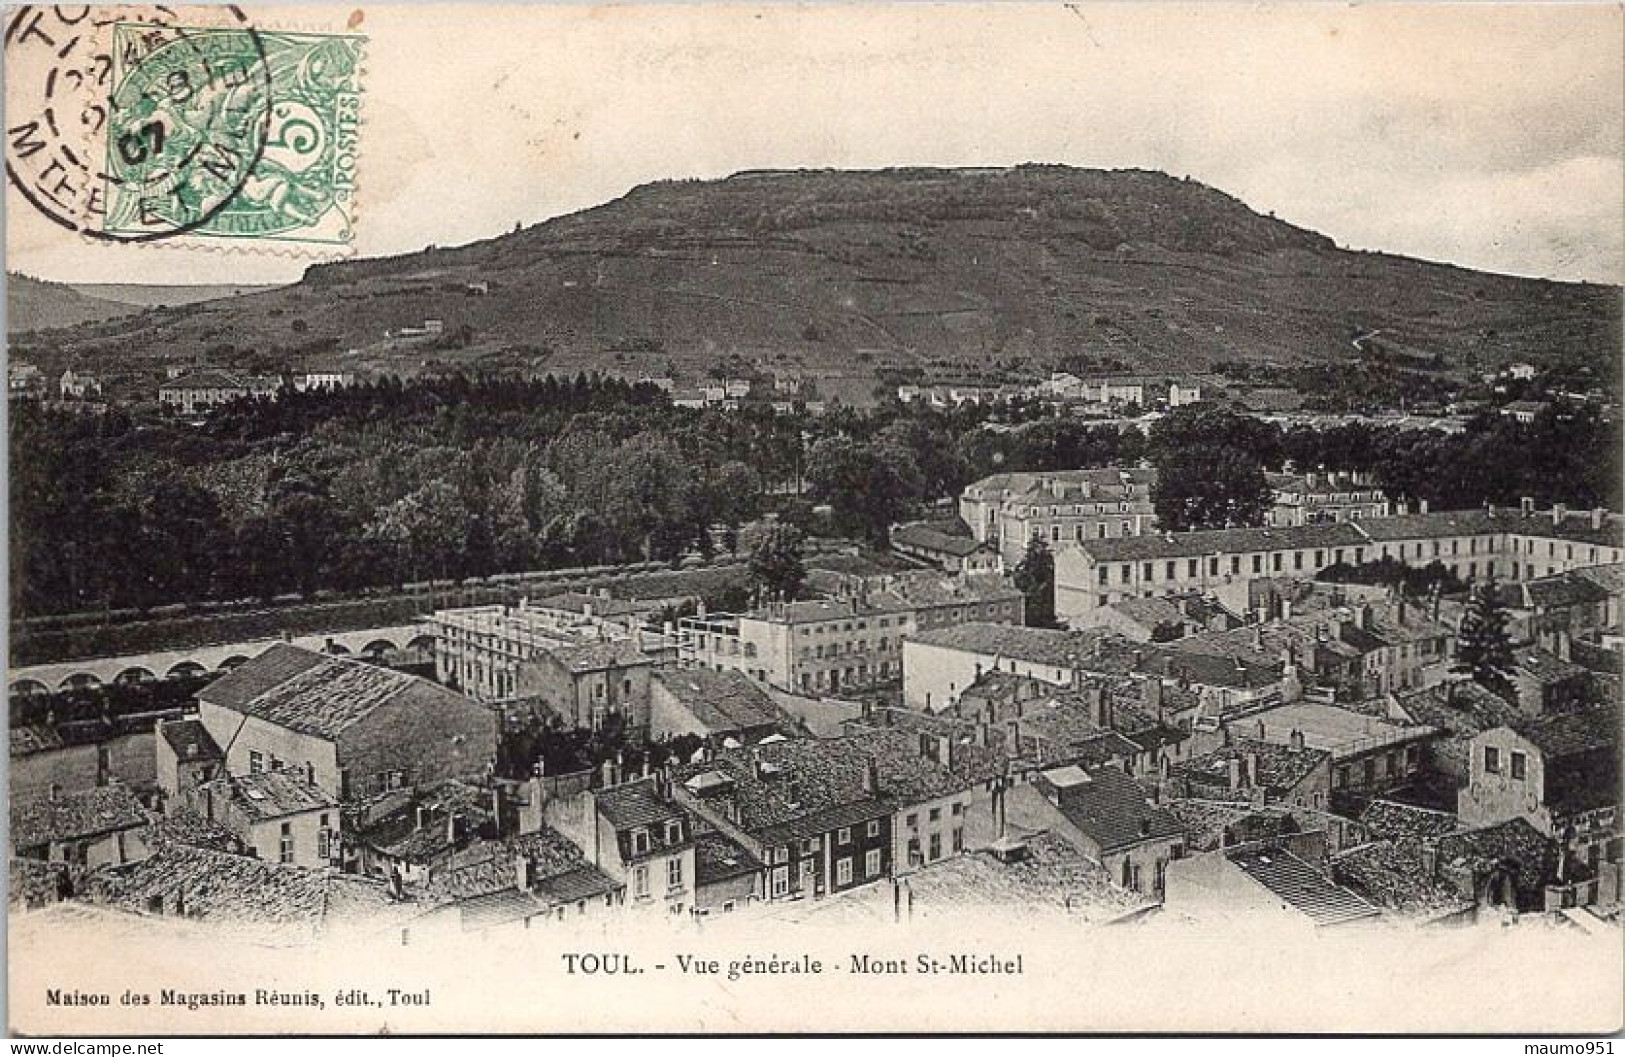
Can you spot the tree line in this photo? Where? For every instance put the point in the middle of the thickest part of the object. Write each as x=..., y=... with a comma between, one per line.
x=390, y=482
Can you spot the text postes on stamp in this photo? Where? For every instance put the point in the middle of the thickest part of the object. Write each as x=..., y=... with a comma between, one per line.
x=147, y=124
x=251, y=159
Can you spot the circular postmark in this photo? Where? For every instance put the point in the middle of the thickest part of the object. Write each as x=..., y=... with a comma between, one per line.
x=133, y=127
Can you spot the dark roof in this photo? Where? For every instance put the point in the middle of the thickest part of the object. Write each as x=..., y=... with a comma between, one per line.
x=1299, y=885
x=1565, y=589
x=218, y=886
x=1477, y=851
x=398, y=834
x=717, y=859
x=266, y=672
x=1279, y=767
x=74, y=816
x=1573, y=526
x=489, y=866
x=928, y=538
x=271, y=794
x=1462, y=708
x=1395, y=875
x=1222, y=541
x=722, y=701
x=1544, y=666
x=634, y=804
x=191, y=740
x=1110, y=808
x=314, y=694
x=581, y=602
x=1391, y=820
x=1572, y=733
x=206, y=379
x=185, y=826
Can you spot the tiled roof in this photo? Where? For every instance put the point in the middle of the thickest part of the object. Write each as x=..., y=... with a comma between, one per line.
x=1572, y=733
x=33, y=882
x=927, y=589
x=1391, y=820
x=1478, y=851
x=1211, y=823
x=1119, y=656
x=1574, y=526
x=489, y=866
x=717, y=858
x=1113, y=811
x=635, y=803
x=398, y=835
x=36, y=737
x=269, y=670
x=206, y=379
x=600, y=656
x=270, y=794
x=1051, y=877
x=1062, y=649
x=73, y=816
x=1104, y=483
x=191, y=740
x=1610, y=578
x=792, y=788
x=1544, y=666
x=185, y=826
x=1299, y=885
x=722, y=701
x=933, y=539
x=1222, y=541
x=1462, y=708
x=313, y=694
x=1279, y=767
x=1570, y=588
x=1395, y=876
x=238, y=889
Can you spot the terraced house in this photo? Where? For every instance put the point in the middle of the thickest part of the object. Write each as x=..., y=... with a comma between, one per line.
x=1521, y=544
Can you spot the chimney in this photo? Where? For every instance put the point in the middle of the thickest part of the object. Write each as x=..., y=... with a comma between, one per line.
x=1286, y=608
x=1527, y=505
x=1234, y=772
x=1297, y=741
x=871, y=778
x=420, y=817
x=1598, y=516
x=1229, y=735
x=455, y=828
x=497, y=808
x=208, y=802
x=1489, y=508
x=56, y=790
x=1095, y=696
x=1013, y=735
x=1362, y=613
x=1430, y=861
x=1252, y=770
x=1402, y=605
x=1145, y=826
x=524, y=873
x=1559, y=512
x=1153, y=697
x=1261, y=730
x=1258, y=636
x=981, y=735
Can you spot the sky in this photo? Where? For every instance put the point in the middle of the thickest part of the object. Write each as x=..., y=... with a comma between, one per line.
x=1489, y=136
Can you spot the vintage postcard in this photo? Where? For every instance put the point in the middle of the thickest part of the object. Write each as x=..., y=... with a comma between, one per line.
x=684, y=518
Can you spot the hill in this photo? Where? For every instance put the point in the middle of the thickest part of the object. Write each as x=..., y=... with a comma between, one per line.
x=34, y=304
x=150, y=295
x=938, y=271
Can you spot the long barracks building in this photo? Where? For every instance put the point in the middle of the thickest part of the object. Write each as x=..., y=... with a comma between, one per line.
x=1510, y=544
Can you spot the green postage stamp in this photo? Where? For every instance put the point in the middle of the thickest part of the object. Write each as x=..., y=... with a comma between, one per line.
x=229, y=132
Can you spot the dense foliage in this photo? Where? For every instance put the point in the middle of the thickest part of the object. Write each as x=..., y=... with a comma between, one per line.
x=388, y=483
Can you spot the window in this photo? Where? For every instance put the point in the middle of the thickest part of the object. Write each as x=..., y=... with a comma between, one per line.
x=640, y=841
x=1258, y=563
x=1492, y=760
x=1275, y=562
x=959, y=838
x=1148, y=571
x=1191, y=569
x=674, y=832
x=1520, y=765
x=1168, y=571
x=844, y=835
x=781, y=880
x=912, y=821
x=958, y=809
x=843, y=871
x=276, y=764
x=287, y=842
x=256, y=762
x=871, y=864
x=1128, y=573
x=874, y=827
x=1103, y=574
x=640, y=882
x=936, y=846
x=1370, y=769
x=936, y=814
x=674, y=872
x=1342, y=777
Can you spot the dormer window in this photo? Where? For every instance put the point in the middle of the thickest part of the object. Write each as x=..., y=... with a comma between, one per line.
x=674, y=832
x=640, y=841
